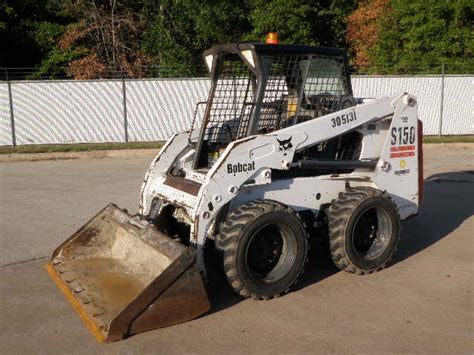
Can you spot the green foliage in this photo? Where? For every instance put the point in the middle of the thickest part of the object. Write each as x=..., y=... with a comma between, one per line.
x=55, y=63
x=47, y=33
x=419, y=35
x=291, y=19
x=170, y=35
x=301, y=22
x=28, y=29
x=180, y=30
x=334, y=18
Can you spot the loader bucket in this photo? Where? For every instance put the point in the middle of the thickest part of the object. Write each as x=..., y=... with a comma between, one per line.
x=123, y=276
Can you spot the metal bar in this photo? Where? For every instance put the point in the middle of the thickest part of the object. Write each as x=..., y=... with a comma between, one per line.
x=244, y=106
x=125, y=118
x=301, y=93
x=194, y=118
x=258, y=99
x=12, y=116
x=335, y=164
x=207, y=112
x=441, y=106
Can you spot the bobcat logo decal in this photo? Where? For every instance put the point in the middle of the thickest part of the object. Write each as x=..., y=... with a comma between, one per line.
x=285, y=145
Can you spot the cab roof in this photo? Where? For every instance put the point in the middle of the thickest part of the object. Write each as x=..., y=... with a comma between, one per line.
x=273, y=49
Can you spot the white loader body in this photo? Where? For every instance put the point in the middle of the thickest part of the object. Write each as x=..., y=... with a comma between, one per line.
x=244, y=171
x=281, y=155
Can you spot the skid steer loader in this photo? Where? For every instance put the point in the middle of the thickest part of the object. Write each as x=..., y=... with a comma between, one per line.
x=278, y=153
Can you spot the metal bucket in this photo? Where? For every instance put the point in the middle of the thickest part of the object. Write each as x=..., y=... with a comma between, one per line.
x=123, y=276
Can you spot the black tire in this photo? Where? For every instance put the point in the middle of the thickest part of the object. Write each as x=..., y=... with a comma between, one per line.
x=264, y=245
x=364, y=228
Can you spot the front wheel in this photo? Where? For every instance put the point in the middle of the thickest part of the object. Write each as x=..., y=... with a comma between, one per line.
x=265, y=246
x=364, y=229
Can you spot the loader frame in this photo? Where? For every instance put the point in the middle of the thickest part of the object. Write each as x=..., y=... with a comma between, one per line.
x=280, y=151
x=271, y=164
x=395, y=169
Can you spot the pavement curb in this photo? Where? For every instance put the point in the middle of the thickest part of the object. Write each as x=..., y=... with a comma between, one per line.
x=95, y=154
x=452, y=145
x=129, y=153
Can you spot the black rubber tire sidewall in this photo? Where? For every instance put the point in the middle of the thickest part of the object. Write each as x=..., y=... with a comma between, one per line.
x=271, y=289
x=356, y=259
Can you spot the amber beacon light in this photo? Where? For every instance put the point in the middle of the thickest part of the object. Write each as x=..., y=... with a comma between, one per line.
x=272, y=38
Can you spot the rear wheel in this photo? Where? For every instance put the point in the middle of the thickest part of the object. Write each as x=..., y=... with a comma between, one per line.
x=364, y=230
x=265, y=246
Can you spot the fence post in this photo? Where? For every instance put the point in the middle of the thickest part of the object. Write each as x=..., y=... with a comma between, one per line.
x=125, y=119
x=10, y=100
x=441, y=106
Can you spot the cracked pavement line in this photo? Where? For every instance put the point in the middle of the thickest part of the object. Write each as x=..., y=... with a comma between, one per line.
x=20, y=262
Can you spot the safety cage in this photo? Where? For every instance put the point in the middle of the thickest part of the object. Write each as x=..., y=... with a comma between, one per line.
x=260, y=88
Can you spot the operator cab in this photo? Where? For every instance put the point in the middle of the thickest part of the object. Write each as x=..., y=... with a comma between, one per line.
x=259, y=88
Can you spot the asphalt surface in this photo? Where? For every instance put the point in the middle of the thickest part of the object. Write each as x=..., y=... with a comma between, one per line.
x=422, y=303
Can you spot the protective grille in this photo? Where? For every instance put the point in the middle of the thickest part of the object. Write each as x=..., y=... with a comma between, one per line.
x=299, y=88
x=232, y=102
x=281, y=92
x=324, y=87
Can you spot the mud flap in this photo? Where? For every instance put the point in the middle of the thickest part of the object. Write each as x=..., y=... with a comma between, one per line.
x=123, y=276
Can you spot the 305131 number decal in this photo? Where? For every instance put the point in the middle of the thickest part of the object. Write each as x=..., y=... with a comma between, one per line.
x=403, y=135
x=343, y=119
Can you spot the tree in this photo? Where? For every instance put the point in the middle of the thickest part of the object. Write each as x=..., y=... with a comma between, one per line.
x=364, y=28
x=291, y=19
x=105, y=38
x=28, y=30
x=107, y=35
x=320, y=22
x=100, y=38
x=401, y=37
x=180, y=30
x=417, y=36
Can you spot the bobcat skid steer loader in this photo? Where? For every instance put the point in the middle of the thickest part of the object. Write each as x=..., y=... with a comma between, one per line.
x=277, y=153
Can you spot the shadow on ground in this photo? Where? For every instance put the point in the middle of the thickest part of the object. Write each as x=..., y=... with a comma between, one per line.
x=447, y=204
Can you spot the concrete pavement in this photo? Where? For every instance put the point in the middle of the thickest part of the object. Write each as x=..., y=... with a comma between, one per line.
x=422, y=303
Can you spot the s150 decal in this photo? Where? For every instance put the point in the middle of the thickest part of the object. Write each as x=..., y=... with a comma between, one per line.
x=402, y=141
x=403, y=135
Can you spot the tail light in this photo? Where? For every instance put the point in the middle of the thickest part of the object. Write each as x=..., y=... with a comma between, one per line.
x=420, y=162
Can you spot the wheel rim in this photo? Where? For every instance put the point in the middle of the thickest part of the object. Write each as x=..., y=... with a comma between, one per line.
x=371, y=233
x=270, y=253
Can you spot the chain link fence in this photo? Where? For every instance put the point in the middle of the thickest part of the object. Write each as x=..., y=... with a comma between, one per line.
x=37, y=110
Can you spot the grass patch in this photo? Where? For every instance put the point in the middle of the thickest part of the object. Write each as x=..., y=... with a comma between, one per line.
x=87, y=147
x=83, y=147
x=448, y=139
